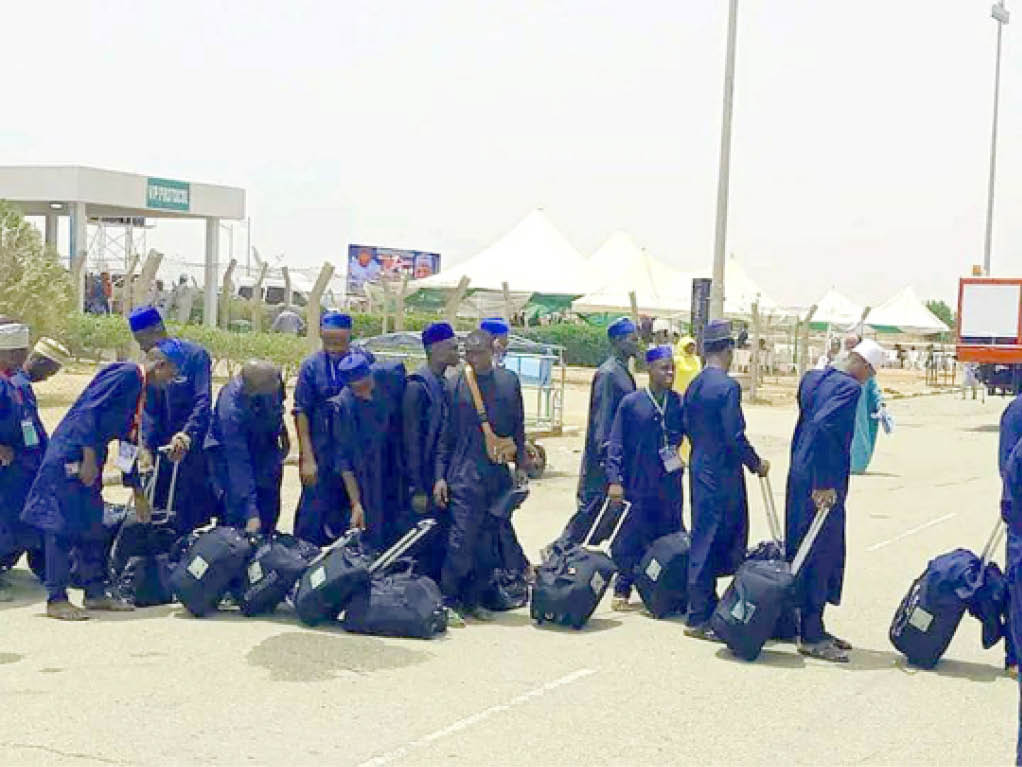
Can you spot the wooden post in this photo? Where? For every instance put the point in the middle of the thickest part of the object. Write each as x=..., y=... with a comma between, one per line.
x=399, y=308
x=635, y=362
x=507, y=302
x=803, y=360
x=226, y=289
x=255, y=301
x=313, y=308
x=754, y=357
x=146, y=277
x=386, y=305
x=288, y=296
x=454, y=301
x=125, y=292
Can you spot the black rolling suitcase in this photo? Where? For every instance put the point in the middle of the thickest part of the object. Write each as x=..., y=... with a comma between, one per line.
x=661, y=577
x=332, y=579
x=773, y=549
x=927, y=618
x=275, y=567
x=211, y=565
x=398, y=603
x=145, y=581
x=147, y=539
x=571, y=582
x=761, y=591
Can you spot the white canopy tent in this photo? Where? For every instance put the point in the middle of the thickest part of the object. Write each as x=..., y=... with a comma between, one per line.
x=838, y=310
x=623, y=267
x=534, y=257
x=905, y=313
x=740, y=291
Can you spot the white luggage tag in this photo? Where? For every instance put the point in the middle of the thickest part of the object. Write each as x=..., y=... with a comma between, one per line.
x=671, y=460
x=127, y=454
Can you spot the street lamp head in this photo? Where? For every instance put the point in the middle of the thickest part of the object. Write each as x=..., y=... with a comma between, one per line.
x=1000, y=13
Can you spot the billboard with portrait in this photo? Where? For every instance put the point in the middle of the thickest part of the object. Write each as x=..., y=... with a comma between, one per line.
x=371, y=264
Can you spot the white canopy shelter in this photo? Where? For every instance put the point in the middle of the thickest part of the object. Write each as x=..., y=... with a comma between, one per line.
x=838, y=310
x=534, y=257
x=623, y=268
x=905, y=313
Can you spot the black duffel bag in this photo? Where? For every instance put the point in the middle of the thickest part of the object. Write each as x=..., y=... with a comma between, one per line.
x=215, y=559
x=332, y=579
x=399, y=604
x=661, y=577
x=145, y=581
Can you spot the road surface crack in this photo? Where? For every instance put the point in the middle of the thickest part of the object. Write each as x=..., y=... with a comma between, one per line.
x=69, y=754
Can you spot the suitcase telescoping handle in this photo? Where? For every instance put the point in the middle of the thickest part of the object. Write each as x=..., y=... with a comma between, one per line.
x=175, y=465
x=822, y=510
x=993, y=541
x=406, y=541
x=776, y=531
x=599, y=518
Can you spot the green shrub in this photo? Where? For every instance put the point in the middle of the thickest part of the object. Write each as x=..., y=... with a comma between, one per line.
x=35, y=288
x=584, y=345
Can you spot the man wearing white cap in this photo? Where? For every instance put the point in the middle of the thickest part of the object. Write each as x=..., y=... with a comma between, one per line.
x=13, y=351
x=820, y=467
x=30, y=437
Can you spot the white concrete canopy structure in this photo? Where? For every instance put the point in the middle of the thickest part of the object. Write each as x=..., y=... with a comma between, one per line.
x=534, y=257
x=623, y=267
x=84, y=193
x=905, y=313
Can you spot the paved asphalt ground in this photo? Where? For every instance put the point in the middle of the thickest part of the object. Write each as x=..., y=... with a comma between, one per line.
x=159, y=687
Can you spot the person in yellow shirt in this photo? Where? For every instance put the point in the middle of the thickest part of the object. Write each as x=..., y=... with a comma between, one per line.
x=686, y=368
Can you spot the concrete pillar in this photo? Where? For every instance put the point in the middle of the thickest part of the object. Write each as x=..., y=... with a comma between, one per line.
x=52, y=220
x=212, y=269
x=79, y=250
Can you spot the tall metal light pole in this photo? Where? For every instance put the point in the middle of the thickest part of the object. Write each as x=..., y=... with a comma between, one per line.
x=1001, y=16
x=723, y=177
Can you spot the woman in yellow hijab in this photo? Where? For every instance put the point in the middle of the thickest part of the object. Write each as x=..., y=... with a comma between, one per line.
x=686, y=368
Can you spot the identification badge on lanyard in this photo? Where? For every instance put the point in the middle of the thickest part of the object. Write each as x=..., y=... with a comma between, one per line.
x=669, y=457
x=127, y=454
x=29, y=435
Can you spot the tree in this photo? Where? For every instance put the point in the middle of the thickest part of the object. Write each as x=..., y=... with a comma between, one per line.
x=35, y=288
x=943, y=311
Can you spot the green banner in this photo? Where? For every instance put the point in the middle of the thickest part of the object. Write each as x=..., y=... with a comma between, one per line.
x=167, y=194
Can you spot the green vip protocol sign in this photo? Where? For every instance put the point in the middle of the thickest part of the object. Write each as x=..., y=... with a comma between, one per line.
x=167, y=194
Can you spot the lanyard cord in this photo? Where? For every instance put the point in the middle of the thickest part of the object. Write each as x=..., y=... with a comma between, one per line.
x=662, y=410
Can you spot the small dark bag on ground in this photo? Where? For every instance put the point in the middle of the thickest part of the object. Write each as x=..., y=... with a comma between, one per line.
x=661, y=577
x=571, y=582
x=212, y=563
x=332, y=579
x=773, y=550
x=277, y=564
x=145, y=581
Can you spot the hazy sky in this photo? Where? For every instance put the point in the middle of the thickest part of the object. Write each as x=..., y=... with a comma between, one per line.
x=861, y=131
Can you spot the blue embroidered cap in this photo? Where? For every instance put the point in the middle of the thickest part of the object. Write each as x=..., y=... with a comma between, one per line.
x=495, y=326
x=354, y=367
x=334, y=320
x=144, y=317
x=659, y=353
x=173, y=350
x=437, y=332
x=620, y=327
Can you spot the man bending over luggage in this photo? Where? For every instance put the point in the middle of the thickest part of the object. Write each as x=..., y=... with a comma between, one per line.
x=474, y=469
x=323, y=510
x=247, y=444
x=611, y=383
x=643, y=467
x=720, y=510
x=820, y=466
x=178, y=415
x=425, y=408
x=66, y=500
x=361, y=434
